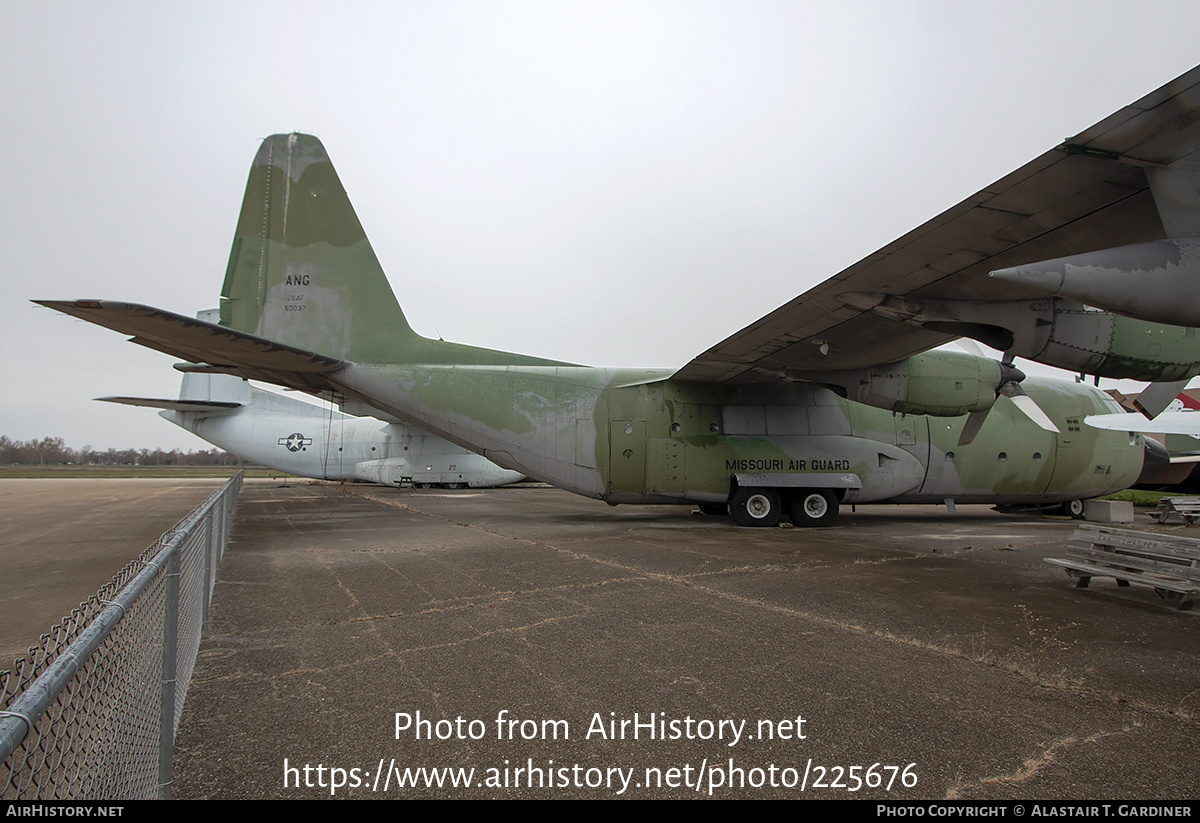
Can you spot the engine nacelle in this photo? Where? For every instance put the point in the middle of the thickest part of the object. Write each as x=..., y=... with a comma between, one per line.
x=1056, y=332
x=1110, y=345
x=940, y=383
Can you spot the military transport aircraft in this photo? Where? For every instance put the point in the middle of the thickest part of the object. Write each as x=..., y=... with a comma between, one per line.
x=303, y=439
x=833, y=398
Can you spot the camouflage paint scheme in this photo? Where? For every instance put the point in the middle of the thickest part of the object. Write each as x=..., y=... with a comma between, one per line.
x=797, y=417
x=634, y=435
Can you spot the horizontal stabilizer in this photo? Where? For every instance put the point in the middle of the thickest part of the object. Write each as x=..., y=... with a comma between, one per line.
x=226, y=350
x=211, y=406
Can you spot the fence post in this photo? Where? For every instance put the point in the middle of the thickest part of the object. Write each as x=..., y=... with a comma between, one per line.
x=166, y=729
x=206, y=578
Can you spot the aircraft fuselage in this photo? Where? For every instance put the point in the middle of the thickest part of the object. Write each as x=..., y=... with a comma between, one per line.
x=636, y=436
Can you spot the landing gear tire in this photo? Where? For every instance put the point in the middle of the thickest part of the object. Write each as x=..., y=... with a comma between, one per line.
x=1073, y=509
x=755, y=507
x=714, y=509
x=813, y=507
x=456, y=486
x=423, y=485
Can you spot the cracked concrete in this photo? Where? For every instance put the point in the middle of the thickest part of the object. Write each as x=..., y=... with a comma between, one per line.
x=905, y=635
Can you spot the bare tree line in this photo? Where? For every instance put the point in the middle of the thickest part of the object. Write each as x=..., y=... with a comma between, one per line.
x=53, y=451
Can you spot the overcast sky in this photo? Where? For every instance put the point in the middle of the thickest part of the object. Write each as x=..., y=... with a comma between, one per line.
x=619, y=184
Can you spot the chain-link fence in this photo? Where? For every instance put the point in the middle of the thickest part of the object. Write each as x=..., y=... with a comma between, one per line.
x=91, y=713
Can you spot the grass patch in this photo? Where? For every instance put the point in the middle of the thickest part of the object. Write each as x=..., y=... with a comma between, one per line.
x=1139, y=497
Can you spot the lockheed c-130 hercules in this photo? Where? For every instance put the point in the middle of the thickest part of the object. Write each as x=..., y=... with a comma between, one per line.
x=834, y=398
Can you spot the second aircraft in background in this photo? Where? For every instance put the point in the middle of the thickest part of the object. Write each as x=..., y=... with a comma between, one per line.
x=306, y=440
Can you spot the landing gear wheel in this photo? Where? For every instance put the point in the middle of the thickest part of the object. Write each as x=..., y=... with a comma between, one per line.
x=714, y=509
x=423, y=485
x=755, y=507
x=1073, y=509
x=456, y=485
x=813, y=507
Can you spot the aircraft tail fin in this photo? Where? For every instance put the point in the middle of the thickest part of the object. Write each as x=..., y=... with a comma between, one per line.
x=302, y=271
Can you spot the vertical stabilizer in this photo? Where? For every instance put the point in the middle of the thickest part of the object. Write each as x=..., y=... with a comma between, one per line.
x=301, y=270
x=303, y=273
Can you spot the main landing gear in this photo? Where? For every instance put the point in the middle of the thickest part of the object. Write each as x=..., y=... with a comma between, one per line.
x=813, y=507
x=751, y=506
x=755, y=507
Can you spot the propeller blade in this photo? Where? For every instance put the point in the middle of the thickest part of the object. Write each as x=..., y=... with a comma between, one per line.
x=969, y=346
x=1026, y=404
x=972, y=426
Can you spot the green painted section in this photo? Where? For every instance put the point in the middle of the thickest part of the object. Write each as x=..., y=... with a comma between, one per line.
x=1152, y=351
x=1010, y=458
x=946, y=383
x=302, y=272
x=498, y=399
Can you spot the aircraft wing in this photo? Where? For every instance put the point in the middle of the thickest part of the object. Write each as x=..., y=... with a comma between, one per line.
x=220, y=349
x=1088, y=193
